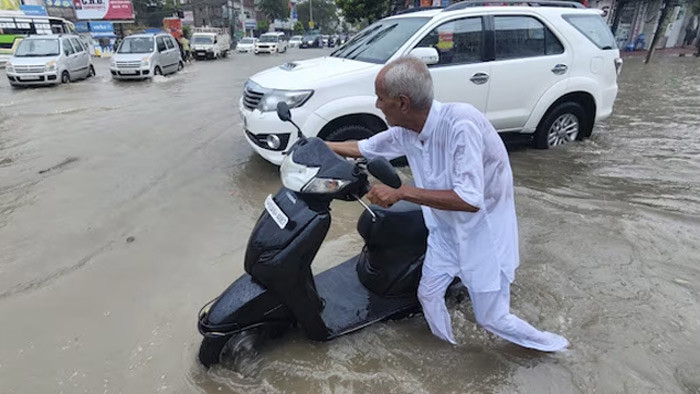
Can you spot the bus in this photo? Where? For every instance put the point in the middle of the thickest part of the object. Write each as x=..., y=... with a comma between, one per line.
x=15, y=25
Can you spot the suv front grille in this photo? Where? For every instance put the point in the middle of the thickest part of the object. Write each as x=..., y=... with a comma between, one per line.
x=251, y=97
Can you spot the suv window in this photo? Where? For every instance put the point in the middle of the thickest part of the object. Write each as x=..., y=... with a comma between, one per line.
x=378, y=42
x=169, y=43
x=67, y=47
x=524, y=36
x=77, y=45
x=458, y=42
x=161, y=44
x=594, y=28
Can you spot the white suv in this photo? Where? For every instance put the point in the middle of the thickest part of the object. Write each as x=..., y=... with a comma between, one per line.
x=549, y=71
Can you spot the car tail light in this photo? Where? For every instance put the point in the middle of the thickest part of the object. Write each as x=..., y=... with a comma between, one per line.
x=618, y=65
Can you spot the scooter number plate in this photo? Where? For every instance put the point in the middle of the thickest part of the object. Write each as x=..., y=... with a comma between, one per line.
x=275, y=212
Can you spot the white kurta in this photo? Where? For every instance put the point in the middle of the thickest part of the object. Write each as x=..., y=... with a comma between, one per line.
x=458, y=149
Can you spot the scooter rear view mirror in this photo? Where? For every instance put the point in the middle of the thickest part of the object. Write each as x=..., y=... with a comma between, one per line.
x=283, y=112
x=381, y=169
x=285, y=115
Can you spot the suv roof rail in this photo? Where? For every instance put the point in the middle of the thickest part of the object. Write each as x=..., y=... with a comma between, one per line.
x=530, y=3
x=416, y=9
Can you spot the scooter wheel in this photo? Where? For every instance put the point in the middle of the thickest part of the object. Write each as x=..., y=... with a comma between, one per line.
x=210, y=350
x=238, y=351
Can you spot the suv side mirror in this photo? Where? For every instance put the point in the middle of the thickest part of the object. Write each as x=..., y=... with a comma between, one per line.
x=427, y=55
x=382, y=169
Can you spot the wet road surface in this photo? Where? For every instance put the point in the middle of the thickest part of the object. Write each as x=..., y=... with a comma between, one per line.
x=124, y=207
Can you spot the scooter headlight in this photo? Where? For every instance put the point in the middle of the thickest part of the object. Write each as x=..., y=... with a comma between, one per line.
x=296, y=176
x=302, y=179
x=324, y=186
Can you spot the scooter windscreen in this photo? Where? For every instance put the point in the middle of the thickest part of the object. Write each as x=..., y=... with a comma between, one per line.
x=311, y=167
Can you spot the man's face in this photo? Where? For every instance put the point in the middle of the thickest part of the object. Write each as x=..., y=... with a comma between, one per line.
x=391, y=107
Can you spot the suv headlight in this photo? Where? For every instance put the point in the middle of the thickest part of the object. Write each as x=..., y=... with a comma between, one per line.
x=300, y=178
x=50, y=66
x=293, y=98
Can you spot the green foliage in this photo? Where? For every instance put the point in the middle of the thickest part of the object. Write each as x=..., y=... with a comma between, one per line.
x=357, y=10
x=299, y=28
x=263, y=25
x=325, y=15
x=275, y=9
x=187, y=31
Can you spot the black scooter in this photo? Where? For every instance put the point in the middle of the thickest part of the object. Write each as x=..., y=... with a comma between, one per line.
x=279, y=290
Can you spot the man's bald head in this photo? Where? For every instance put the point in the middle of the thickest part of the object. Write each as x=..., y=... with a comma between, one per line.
x=407, y=76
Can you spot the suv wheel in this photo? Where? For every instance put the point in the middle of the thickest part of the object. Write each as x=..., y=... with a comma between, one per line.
x=564, y=123
x=352, y=132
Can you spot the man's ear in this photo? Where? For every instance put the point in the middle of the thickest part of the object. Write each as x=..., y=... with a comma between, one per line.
x=404, y=102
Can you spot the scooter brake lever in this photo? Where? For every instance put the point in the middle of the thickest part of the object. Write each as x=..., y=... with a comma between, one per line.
x=367, y=208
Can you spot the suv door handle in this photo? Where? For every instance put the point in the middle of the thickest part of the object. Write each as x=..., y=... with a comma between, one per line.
x=560, y=69
x=479, y=78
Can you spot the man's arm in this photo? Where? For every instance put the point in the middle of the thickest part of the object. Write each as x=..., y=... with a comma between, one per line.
x=446, y=200
x=345, y=148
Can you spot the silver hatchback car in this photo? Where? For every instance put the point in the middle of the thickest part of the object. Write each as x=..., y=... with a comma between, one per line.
x=142, y=56
x=49, y=59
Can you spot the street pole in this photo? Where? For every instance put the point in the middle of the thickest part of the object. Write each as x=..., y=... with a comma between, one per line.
x=311, y=13
x=659, y=30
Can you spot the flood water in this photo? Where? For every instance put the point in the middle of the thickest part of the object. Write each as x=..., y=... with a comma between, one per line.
x=124, y=207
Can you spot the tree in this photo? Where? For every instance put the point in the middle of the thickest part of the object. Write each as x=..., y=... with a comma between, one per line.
x=357, y=10
x=325, y=14
x=299, y=28
x=263, y=25
x=187, y=31
x=275, y=9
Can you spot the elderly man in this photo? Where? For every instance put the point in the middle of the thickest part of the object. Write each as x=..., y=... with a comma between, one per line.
x=464, y=185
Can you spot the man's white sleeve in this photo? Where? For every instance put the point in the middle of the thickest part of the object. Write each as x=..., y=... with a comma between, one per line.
x=385, y=144
x=468, y=169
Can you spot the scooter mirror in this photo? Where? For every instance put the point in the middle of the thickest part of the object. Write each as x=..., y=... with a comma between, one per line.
x=381, y=169
x=283, y=112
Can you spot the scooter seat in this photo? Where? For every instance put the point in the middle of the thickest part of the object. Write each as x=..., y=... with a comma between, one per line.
x=399, y=225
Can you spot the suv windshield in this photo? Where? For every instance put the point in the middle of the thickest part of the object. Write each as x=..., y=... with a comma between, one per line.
x=37, y=47
x=136, y=45
x=309, y=38
x=247, y=40
x=295, y=38
x=203, y=40
x=378, y=42
x=265, y=38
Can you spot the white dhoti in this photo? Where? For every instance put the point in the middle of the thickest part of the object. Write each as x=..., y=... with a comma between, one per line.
x=491, y=310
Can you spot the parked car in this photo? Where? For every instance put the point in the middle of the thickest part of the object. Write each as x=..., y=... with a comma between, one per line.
x=208, y=44
x=542, y=70
x=295, y=41
x=49, y=59
x=141, y=56
x=275, y=42
x=246, y=44
x=332, y=41
x=324, y=39
x=311, y=41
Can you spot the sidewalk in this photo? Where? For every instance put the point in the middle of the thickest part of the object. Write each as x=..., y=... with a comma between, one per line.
x=678, y=51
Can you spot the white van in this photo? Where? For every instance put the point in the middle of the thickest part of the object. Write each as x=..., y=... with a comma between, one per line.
x=547, y=70
x=141, y=56
x=210, y=45
x=48, y=60
x=274, y=42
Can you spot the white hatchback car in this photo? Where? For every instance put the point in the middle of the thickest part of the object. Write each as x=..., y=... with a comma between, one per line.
x=142, y=56
x=246, y=44
x=48, y=60
x=548, y=70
